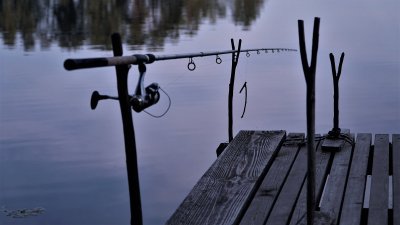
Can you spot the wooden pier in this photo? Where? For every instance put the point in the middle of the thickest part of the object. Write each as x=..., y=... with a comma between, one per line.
x=260, y=178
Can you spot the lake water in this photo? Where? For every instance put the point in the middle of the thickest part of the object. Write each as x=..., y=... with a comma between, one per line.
x=58, y=154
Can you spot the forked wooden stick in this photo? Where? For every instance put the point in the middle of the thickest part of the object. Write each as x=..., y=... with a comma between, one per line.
x=309, y=74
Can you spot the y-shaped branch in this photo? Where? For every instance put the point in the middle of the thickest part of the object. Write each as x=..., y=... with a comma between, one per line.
x=335, y=132
x=309, y=74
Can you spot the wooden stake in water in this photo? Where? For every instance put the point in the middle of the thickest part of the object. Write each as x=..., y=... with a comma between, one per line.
x=235, y=60
x=129, y=135
x=309, y=74
x=336, y=76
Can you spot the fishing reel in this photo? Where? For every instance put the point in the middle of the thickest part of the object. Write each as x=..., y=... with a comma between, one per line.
x=144, y=97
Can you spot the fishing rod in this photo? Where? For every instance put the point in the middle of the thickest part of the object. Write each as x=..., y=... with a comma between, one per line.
x=73, y=64
x=144, y=97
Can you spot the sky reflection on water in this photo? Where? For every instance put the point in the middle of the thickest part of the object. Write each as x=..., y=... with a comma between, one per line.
x=58, y=154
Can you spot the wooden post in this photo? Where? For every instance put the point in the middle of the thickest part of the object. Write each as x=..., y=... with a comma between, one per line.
x=129, y=134
x=336, y=76
x=309, y=74
x=235, y=59
x=334, y=141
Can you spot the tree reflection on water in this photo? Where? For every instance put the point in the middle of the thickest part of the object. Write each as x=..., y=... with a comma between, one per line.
x=74, y=23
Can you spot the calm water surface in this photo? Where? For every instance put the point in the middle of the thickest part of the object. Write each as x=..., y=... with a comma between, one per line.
x=58, y=154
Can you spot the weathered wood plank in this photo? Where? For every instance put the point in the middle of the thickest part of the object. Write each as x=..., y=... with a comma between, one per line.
x=287, y=198
x=225, y=190
x=322, y=160
x=262, y=203
x=334, y=144
x=290, y=192
x=378, y=204
x=354, y=196
x=396, y=178
x=335, y=186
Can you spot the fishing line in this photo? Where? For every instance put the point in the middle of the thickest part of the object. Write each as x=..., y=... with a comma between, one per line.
x=245, y=86
x=166, y=111
x=245, y=97
x=179, y=74
x=191, y=66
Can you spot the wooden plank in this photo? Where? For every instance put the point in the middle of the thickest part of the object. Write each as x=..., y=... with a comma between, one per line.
x=354, y=196
x=335, y=186
x=225, y=190
x=378, y=204
x=262, y=203
x=396, y=178
x=334, y=144
x=287, y=198
x=322, y=160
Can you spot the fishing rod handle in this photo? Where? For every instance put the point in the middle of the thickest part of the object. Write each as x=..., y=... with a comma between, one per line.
x=83, y=63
